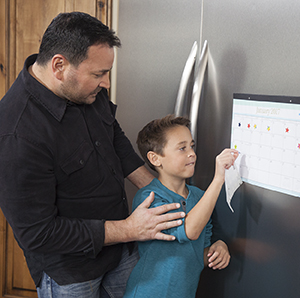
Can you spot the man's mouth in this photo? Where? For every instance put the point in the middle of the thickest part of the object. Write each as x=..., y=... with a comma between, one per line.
x=96, y=92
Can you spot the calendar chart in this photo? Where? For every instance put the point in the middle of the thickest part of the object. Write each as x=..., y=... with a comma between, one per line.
x=266, y=132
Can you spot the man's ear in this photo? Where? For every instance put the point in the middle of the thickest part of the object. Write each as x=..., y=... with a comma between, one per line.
x=59, y=65
x=154, y=158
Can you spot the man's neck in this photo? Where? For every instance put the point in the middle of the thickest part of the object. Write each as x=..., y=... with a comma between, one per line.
x=41, y=74
x=34, y=71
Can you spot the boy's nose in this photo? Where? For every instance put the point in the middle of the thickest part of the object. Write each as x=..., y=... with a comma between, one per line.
x=191, y=153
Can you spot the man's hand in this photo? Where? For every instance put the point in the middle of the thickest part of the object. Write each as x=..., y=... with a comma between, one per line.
x=147, y=223
x=218, y=255
x=144, y=223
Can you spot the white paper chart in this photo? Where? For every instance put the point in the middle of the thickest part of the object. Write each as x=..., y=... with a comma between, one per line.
x=267, y=135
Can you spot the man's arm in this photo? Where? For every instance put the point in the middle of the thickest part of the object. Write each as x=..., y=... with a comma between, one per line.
x=144, y=224
x=140, y=177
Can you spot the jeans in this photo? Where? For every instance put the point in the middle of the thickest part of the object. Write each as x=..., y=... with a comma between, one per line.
x=110, y=285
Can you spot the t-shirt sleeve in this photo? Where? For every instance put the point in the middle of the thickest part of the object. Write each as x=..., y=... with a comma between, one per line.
x=129, y=159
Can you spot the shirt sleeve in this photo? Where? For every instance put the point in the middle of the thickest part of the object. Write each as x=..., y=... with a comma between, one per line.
x=130, y=160
x=28, y=201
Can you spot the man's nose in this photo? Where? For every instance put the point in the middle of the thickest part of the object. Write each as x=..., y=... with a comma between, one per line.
x=105, y=81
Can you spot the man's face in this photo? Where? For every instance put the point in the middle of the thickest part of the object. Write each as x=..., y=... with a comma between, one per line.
x=82, y=83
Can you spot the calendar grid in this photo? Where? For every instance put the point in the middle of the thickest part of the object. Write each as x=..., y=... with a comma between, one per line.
x=267, y=135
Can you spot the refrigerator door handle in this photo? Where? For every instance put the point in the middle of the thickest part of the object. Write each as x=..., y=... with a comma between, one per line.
x=184, y=79
x=197, y=89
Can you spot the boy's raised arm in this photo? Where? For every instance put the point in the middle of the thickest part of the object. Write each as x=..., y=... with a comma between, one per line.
x=198, y=217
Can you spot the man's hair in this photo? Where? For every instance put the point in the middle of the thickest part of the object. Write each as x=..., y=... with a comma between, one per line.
x=153, y=136
x=71, y=35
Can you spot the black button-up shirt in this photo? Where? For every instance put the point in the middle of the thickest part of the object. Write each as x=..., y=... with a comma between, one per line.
x=62, y=169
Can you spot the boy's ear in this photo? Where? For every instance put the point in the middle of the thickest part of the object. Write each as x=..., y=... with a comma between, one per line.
x=154, y=158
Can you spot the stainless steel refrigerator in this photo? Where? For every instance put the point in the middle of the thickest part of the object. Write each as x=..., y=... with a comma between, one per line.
x=253, y=47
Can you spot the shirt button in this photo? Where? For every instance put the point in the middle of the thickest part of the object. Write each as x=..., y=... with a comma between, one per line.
x=183, y=202
x=113, y=171
x=81, y=161
x=97, y=143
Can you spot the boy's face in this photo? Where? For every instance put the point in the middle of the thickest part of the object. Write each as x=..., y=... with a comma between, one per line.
x=179, y=158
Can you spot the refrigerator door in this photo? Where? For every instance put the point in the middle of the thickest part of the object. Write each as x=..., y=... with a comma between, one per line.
x=156, y=37
x=253, y=48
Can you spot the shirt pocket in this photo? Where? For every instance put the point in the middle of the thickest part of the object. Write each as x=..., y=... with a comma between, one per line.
x=78, y=159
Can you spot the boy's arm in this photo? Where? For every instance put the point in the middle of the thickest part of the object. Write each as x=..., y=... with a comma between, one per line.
x=217, y=255
x=198, y=217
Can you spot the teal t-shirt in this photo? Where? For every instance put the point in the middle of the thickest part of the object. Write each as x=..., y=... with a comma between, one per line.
x=169, y=269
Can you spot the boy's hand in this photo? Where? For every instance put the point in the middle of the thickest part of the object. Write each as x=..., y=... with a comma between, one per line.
x=224, y=161
x=147, y=223
x=218, y=255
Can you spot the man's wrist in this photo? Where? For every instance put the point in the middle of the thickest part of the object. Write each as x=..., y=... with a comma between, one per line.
x=116, y=231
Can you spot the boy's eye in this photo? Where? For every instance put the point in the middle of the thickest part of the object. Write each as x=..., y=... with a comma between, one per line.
x=182, y=148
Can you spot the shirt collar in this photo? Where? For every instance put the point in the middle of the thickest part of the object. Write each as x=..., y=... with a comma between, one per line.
x=55, y=105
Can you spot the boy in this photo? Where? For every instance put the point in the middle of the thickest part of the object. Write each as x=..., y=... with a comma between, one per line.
x=173, y=269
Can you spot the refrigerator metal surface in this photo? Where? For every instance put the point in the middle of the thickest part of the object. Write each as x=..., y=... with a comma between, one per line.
x=253, y=47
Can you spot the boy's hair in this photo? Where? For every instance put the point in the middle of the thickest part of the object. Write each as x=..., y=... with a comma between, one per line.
x=71, y=35
x=153, y=136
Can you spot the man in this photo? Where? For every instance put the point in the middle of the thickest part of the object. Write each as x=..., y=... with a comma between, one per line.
x=63, y=159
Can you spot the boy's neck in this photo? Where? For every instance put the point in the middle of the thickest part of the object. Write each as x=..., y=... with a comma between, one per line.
x=176, y=185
